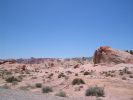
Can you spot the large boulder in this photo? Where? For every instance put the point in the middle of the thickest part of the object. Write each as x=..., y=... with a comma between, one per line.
x=107, y=55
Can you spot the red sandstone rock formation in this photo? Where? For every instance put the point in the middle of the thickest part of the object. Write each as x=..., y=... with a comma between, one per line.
x=106, y=54
x=7, y=61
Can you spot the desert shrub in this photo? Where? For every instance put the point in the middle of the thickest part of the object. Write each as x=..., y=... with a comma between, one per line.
x=76, y=74
x=4, y=73
x=81, y=71
x=38, y=85
x=95, y=91
x=87, y=73
x=61, y=94
x=131, y=52
x=129, y=72
x=14, y=83
x=61, y=75
x=11, y=79
x=50, y=75
x=125, y=70
x=113, y=71
x=77, y=81
x=76, y=66
x=121, y=73
x=124, y=78
x=109, y=73
x=131, y=76
x=46, y=89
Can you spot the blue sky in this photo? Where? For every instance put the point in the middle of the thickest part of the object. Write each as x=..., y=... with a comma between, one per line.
x=63, y=28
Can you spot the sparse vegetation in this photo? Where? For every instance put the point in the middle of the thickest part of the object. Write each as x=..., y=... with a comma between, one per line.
x=76, y=66
x=129, y=72
x=129, y=51
x=47, y=89
x=95, y=91
x=77, y=81
x=130, y=76
x=125, y=71
x=14, y=83
x=4, y=73
x=124, y=78
x=64, y=81
x=11, y=79
x=87, y=73
x=61, y=75
x=76, y=74
x=121, y=73
x=61, y=94
x=38, y=85
x=109, y=73
x=50, y=76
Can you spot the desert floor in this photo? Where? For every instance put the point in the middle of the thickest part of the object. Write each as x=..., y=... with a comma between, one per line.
x=117, y=80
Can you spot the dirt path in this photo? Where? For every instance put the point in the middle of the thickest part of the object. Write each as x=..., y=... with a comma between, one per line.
x=7, y=94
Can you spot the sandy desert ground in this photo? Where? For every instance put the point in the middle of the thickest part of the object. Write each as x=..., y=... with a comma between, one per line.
x=115, y=80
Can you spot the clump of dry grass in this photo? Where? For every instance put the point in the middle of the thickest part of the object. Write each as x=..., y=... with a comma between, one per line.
x=38, y=85
x=87, y=73
x=47, y=89
x=124, y=78
x=130, y=76
x=61, y=75
x=95, y=91
x=11, y=79
x=78, y=81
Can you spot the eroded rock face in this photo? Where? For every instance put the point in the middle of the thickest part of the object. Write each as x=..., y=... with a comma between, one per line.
x=106, y=54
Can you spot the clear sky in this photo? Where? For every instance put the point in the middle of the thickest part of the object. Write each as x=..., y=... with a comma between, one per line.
x=63, y=28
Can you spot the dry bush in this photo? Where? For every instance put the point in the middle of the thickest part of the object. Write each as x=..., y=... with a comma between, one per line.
x=61, y=75
x=124, y=78
x=38, y=85
x=11, y=79
x=77, y=81
x=95, y=91
x=130, y=76
x=47, y=89
x=50, y=75
x=76, y=74
x=121, y=73
x=87, y=73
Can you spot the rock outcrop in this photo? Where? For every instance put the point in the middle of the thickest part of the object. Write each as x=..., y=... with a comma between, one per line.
x=7, y=61
x=107, y=55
